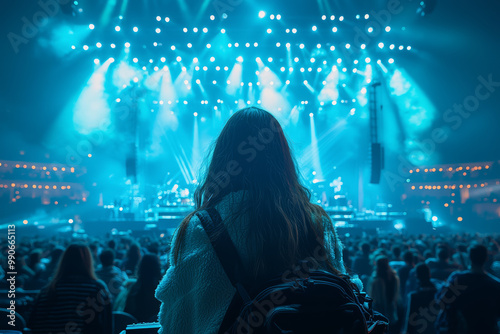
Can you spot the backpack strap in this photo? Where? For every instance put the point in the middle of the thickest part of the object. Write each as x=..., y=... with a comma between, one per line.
x=224, y=248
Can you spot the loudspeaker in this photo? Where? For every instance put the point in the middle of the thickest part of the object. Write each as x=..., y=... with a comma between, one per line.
x=377, y=162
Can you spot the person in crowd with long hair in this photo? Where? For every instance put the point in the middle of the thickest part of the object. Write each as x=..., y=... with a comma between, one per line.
x=253, y=182
x=384, y=288
x=132, y=259
x=141, y=301
x=74, y=301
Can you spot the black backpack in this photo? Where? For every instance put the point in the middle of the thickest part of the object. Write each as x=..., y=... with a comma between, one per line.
x=319, y=302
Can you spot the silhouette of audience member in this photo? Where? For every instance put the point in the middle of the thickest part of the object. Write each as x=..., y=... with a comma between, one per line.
x=404, y=273
x=396, y=262
x=442, y=268
x=74, y=301
x=131, y=260
x=111, y=275
x=51, y=267
x=141, y=301
x=472, y=297
x=461, y=258
x=419, y=304
x=384, y=288
x=361, y=263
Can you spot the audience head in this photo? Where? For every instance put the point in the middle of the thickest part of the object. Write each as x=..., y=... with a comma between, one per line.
x=423, y=274
x=56, y=254
x=478, y=255
x=365, y=248
x=396, y=251
x=149, y=268
x=134, y=252
x=112, y=244
x=76, y=261
x=107, y=257
x=443, y=254
x=34, y=258
x=408, y=257
x=382, y=268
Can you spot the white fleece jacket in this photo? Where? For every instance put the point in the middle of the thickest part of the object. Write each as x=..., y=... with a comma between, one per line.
x=195, y=292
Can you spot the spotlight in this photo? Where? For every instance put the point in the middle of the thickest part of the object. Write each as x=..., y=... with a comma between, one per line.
x=387, y=28
x=381, y=45
x=158, y=30
x=127, y=44
x=205, y=30
x=367, y=60
x=98, y=44
x=91, y=26
x=269, y=31
x=262, y=14
x=278, y=17
x=117, y=28
x=162, y=59
x=85, y=47
x=239, y=59
x=334, y=29
x=195, y=29
x=135, y=29
x=96, y=61
x=314, y=28
x=178, y=58
x=135, y=60
x=158, y=18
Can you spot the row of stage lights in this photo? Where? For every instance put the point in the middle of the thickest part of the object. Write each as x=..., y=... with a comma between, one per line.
x=44, y=168
x=219, y=101
x=288, y=46
x=35, y=186
x=449, y=169
x=449, y=187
